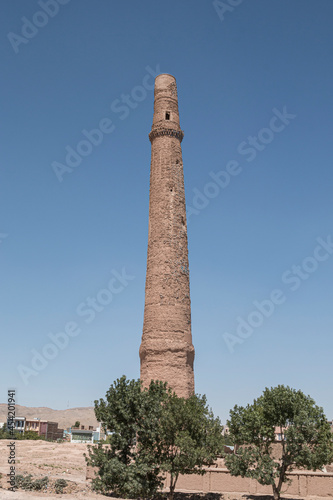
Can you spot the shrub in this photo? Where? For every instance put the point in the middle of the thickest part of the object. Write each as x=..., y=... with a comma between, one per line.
x=59, y=485
x=40, y=484
x=26, y=483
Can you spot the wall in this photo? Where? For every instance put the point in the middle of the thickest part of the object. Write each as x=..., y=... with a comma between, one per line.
x=53, y=432
x=304, y=483
x=43, y=429
x=218, y=480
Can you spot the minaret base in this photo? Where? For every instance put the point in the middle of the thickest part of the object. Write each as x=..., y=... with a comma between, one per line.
x=173, y=364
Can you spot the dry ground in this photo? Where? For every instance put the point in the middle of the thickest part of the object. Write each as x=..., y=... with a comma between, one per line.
x=65, y=460
x=43, y=458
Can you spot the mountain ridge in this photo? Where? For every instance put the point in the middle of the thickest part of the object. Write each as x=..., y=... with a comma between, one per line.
x=65, y=418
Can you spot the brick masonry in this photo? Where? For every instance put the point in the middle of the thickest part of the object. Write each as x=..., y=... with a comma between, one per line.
x=166, y=351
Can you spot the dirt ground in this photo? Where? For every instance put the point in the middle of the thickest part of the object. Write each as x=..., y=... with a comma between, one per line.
x=66, y=461
x=43, y=458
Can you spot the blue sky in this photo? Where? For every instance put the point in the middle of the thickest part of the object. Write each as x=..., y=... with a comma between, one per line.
x=62, y=242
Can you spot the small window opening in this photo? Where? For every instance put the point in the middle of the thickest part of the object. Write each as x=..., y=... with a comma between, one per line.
x=167, y=115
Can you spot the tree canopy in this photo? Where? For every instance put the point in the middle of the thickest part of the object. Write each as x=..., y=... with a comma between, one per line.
x=153, y=431
x=306, y=438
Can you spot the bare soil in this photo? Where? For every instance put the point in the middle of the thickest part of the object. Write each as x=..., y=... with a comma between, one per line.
x=66, y=461
x=54, y=460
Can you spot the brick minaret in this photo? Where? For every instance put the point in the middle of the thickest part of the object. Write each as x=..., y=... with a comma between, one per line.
x=166, y=350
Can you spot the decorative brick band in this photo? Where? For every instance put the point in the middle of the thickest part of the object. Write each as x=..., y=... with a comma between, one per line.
x=179, y=134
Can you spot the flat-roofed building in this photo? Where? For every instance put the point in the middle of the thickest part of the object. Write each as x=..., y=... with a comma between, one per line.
x=82, y=436
x=45, y=428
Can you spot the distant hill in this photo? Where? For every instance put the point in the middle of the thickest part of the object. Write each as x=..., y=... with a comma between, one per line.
x=65, y=418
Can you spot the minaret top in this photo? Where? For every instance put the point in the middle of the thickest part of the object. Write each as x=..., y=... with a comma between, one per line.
x=165, y=83
x=166, y=115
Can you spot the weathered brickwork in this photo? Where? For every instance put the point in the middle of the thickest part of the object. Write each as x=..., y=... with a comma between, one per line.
x=166, y=351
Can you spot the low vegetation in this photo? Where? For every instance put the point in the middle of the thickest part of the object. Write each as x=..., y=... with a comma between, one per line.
x=59, y=485
x=27, y=483
x=5, y=434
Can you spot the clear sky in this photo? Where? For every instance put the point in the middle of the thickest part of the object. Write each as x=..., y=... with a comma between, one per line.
x=255, y=97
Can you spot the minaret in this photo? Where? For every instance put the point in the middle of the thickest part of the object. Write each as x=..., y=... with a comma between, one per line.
x=166, y=350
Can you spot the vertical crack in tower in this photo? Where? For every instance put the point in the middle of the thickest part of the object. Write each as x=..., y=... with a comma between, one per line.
x=166, y=351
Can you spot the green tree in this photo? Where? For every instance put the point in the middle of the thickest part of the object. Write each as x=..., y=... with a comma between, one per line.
x=306, y=437
x=29, y=435
x=152, y=432
x=228, y=441
x=77, y=424
x=4, y=433
x=185, y=439
x=123, y=414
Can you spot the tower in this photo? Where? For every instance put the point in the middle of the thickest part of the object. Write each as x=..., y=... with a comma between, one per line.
x=166, y=351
